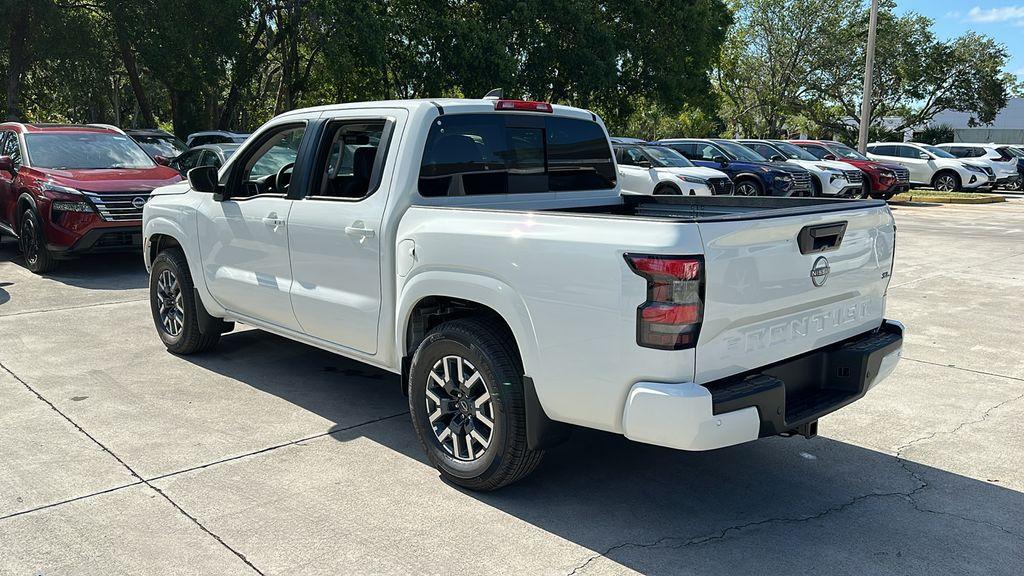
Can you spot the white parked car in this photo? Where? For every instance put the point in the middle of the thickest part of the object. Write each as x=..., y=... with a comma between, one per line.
x=828, y=177
x=932, y=166
x=482, y=252
x=1001, y=159
x=646, y=169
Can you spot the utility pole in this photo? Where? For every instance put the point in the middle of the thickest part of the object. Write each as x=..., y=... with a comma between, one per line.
x=869, y=64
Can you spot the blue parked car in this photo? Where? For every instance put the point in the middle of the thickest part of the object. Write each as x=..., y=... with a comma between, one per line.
x=753, y=174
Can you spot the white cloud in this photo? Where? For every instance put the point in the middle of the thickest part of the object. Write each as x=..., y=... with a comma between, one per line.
x=954, y=14
x=1001, y=14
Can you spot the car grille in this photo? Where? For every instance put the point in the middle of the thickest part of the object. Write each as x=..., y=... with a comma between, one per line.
x=801, y=183
x=118, y=206
x=721, y=186
x=854, y=176
x=902, y=174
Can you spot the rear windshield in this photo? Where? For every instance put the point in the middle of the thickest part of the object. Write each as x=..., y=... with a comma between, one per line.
x=473, y=154
x=166, y=146
x=85, y=151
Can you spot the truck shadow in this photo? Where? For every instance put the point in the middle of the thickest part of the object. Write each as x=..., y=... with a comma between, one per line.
x=750, y=509
x=92, y=271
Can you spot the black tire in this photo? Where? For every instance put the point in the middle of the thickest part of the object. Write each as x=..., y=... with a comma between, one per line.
x=865, y=188
x=32, y=243
x=748, y=187
x=816, y=187
x=491, y=353
x=182, y=335
x=666, y=190
x=946, y=181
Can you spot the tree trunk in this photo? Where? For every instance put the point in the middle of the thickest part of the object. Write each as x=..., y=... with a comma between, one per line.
x=130, y=65
x=21, y=23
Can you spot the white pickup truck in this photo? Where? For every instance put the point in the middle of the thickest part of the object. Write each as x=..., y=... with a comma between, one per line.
x=481, y=249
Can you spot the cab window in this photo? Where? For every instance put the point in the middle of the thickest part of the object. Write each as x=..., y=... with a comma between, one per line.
x=473, y=154
x=267, y=169
x=350, y=160
x=9, y=146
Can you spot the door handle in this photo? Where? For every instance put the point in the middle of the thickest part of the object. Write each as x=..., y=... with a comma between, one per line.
x=356, y=230
x=272, y=221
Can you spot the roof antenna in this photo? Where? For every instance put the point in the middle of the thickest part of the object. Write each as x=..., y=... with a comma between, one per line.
x=496, y=94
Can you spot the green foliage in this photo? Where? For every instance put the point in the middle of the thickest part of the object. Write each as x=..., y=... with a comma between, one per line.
x=939, y=134
x=792, y=65
x=235, y=63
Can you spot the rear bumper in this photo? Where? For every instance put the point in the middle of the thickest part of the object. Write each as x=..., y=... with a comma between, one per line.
x=775, y=400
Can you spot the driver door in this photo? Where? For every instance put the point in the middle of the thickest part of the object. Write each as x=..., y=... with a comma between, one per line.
x=243, y=238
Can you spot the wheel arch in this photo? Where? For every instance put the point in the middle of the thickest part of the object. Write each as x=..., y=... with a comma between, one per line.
x=161, y=233
x=950, y=171
x=663, y=185
x=430, y=298
x=25, y=201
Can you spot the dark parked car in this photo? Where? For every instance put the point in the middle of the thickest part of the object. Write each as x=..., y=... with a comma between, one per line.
x=205, y=155
x=161, y=146
x=66, y=190
x=753, y=174
x=214, y=137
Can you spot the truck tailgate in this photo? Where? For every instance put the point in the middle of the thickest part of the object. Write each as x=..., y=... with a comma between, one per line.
x=775, y=288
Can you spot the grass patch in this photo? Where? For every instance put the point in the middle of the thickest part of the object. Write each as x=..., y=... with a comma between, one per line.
x=929, y=195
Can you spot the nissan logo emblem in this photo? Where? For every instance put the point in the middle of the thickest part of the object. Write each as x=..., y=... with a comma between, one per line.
x=819, y=272
x=138, y=202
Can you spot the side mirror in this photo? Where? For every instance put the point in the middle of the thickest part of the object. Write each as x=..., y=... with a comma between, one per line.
x=162, y=160
x=829, y=157
x=924, y=156
x=7, y=164
x=777, y=158
x=720, y=159
x=203, y=179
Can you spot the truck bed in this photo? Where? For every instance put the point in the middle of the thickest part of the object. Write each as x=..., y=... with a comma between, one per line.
x=721, y=208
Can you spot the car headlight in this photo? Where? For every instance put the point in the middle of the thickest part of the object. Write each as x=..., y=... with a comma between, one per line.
x=887, y=174
x=692, y=179
x=51, y=187
x=824, y=168
x=974, y=168
x=69, y=206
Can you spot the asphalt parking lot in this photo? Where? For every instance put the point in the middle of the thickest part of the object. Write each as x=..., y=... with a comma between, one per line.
x=271, y=457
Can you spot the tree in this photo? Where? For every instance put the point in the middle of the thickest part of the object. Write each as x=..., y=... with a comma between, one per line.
x=769, y=63
x=916, y=75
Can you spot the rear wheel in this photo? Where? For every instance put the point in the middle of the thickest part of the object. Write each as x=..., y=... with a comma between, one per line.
x=467, y=405
x=172, y=299
x=32, y=243
x=747, y=188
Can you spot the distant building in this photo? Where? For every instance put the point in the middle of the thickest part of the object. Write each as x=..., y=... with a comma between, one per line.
x=1007, y=128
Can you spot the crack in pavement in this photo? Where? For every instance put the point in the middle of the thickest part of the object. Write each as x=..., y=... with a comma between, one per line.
x=79, y=307
x=955, y=367
x=910, y=496
x=134, y=473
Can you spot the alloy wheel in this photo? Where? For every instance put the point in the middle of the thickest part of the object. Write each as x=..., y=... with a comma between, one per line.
x=945, y=183
x=746, y=189
x=172, y=309
x=29, y=242
x=460, y=408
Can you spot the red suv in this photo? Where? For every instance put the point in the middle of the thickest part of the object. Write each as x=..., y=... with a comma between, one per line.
x=884, y=180
x=67, y=190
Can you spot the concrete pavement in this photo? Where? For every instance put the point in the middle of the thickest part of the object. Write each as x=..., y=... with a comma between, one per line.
x=271, y=457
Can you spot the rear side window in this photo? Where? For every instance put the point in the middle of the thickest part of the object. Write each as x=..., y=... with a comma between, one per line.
x=9, y=147
x=476, y=154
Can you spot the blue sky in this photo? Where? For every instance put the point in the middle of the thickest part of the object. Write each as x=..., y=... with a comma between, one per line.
x=999, y=19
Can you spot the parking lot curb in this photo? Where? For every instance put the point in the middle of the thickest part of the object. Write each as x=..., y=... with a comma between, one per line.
x=987, y=199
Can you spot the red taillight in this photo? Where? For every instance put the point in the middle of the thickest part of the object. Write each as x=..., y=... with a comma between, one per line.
x=670, y=318
x=523, y=105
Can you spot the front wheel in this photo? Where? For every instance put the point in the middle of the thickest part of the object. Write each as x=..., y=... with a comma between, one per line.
x=172, y=299
x=946, y=182
x=467, y=405
x=747, y=188
x=32, y=243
